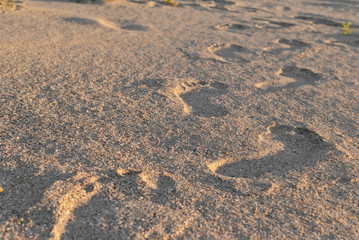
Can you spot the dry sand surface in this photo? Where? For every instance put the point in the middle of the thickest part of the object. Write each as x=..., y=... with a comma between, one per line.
x=216, y=119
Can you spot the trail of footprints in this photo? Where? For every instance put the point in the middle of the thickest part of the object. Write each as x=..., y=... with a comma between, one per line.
x=303, y=148
x=197, y=97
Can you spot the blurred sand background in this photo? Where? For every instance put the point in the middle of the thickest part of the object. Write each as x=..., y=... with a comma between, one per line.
x=215, y=119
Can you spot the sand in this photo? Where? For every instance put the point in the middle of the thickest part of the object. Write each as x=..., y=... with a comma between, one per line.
x=210, y=120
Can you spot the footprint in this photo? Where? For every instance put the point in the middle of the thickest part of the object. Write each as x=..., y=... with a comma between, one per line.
x=294, y=44
x=318, y=20
x=302, y=148
x=81, y=21
x=195, y=97
x=23, y=191
x=224, y=2
x=134, y=27
x=301, y=77
x=231, y=53
x=71, y=194
x=231, y=27
x=291, y=46
x=282, y=24
x=254, y=10
x=221, y=5
x=66, y=196
x=345, y=4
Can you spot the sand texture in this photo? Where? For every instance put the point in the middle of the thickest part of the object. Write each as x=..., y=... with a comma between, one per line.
x=215, y=119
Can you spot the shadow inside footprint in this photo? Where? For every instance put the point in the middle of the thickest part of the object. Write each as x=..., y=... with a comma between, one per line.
x=303, y=148
x=166, y=187
x=199, y=100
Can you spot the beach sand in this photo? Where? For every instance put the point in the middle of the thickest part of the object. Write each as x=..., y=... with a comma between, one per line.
x=214, y=119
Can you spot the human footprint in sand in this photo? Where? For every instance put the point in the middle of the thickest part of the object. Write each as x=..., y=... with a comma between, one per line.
x=302, y=148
